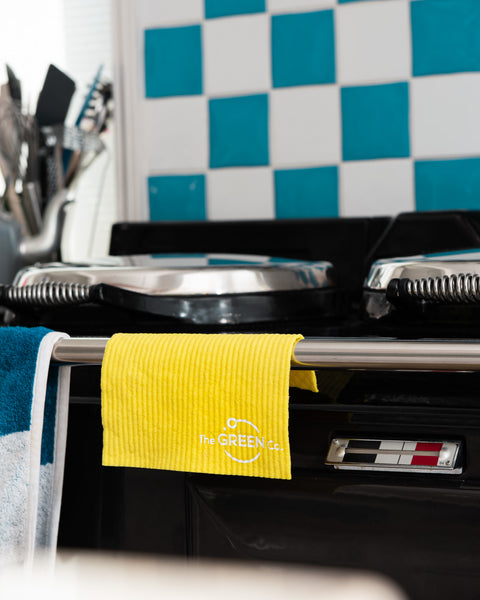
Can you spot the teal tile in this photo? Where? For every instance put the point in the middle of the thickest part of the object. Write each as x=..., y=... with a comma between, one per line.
x=225, y=8
x=303, y=49
x=447, y=184
x=445, y=36
x=239, y=131
x=173, y=61
x=306, y=193
x=177, y=198
x=375, y=121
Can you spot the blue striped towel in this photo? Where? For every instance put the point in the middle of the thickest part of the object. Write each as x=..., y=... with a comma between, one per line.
x=33, y=426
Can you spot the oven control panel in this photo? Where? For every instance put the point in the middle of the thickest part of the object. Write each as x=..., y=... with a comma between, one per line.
x=412, y=456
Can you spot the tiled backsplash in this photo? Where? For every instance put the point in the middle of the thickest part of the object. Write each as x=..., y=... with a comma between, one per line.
x=309, y=108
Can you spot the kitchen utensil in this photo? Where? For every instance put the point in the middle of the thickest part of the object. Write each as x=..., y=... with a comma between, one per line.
x=54, y=99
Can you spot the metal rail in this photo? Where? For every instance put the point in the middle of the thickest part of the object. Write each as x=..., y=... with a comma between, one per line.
x=328, y=353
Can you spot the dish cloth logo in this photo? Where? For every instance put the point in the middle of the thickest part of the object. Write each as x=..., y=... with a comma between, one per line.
x=247, y=435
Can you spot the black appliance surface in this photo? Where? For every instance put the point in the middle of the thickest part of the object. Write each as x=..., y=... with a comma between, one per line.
x=420, y=528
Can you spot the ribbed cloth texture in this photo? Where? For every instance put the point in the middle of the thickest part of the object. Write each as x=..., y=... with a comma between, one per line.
x=208, y=403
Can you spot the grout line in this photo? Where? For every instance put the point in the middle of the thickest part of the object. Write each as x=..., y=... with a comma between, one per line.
x=271, y=137
x=207, y=186
x=446, y=157
x=411, y=119
x=340, y=199
x=174, y=24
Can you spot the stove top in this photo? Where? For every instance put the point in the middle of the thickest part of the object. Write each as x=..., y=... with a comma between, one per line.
x=332, y=279
x=179, y=292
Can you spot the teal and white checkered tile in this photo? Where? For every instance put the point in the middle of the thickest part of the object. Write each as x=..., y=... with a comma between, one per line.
x=373, y=42
x=239, y=131
x=303, y=48
x=376, y=187
x=305, y=193
x=438, y=181
x=445, y=36
x=305, y=126
x=375, y=121
x=445, y=115
x=226, y=8
x=237, y=55
x=151, y=14
x=237, y=194
x=177, y=197
x=258, y=109
x=177, y=135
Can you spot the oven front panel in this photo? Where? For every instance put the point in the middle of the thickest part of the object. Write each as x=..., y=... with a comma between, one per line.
x=422, y=533
x=422, y=529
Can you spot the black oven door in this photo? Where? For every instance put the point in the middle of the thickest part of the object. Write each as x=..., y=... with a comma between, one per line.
x=390, y=511
x=416, y=523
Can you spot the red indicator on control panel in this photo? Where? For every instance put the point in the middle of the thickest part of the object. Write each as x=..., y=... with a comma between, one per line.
x=430, y=461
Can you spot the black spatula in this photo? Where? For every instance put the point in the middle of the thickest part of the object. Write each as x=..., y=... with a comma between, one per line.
x=54, y=99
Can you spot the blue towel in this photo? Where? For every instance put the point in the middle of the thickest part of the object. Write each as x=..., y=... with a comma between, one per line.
x=33, y=425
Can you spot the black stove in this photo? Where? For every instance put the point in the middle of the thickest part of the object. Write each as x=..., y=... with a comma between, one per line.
x=385, y=462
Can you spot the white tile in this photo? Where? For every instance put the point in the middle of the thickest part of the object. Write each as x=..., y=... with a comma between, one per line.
x=236, y=54
x=176, y=134
x=373, y=42
x=156, y=13
x=376, y=187
x=445, y=115
x=240, y=194
x=298, y=5
x=305, y=126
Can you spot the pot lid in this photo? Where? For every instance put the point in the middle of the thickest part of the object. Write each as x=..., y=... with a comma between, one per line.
x=189, y=275
x=423, y=267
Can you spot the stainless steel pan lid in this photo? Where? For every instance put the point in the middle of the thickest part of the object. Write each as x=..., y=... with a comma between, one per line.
x=444, y=279
x=432, y=266
x=189, y=275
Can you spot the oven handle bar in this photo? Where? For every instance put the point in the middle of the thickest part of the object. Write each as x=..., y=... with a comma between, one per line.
x=330, y=353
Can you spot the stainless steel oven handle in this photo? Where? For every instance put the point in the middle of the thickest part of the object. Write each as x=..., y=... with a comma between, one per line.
x=387, y=354
x=331, y=353
x=81, y=351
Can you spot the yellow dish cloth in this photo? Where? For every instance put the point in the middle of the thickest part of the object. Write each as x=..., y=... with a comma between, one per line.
x=205, y=403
